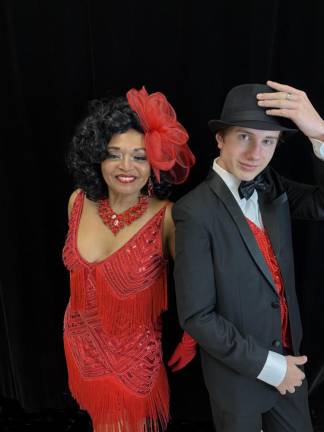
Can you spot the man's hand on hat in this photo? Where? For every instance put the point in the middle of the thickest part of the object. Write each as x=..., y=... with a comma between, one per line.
x=293, y=104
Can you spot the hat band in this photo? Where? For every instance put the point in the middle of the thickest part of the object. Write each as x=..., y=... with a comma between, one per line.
x=251, y=115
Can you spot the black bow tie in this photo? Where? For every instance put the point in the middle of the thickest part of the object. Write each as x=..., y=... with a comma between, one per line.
x=247, y=188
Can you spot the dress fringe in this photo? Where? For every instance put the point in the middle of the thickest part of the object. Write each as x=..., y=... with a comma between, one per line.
x=113, y=407
x=142, y=308
x=115, y=311
x=78, y=290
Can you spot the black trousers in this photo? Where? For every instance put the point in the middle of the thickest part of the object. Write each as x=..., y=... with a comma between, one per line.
x=290, y=414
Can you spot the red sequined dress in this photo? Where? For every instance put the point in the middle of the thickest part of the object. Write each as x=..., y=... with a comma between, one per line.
x=112, y=332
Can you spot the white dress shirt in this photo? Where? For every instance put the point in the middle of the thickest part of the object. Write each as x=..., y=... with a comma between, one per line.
x=275, y=367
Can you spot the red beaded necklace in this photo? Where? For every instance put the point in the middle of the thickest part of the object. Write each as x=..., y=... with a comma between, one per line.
x=115, y=222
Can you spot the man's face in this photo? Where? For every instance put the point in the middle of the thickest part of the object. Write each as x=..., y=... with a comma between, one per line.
x=245, y=152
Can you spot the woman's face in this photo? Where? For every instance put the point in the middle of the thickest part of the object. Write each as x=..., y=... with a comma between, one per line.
x=126, y=169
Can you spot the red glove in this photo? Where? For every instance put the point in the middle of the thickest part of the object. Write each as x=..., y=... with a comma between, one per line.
x=184, y=353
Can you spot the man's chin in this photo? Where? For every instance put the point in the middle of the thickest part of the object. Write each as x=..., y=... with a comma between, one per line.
x=247, y=177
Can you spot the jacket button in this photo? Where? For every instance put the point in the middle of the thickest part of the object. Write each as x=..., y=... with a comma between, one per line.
x=275, y=305
x=276, y=343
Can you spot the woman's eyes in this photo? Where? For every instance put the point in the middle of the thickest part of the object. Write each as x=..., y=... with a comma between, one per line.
x=119, y=156
x=140, y=158
x=113, y=156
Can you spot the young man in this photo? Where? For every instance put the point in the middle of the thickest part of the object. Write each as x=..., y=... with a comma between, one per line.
x=234, y=268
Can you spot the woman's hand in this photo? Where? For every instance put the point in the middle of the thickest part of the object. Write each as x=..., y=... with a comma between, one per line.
x=184, y=353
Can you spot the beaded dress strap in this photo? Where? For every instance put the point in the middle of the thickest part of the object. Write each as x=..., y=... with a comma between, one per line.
x=76, y=213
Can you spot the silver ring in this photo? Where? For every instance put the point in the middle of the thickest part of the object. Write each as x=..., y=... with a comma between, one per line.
x=288, y=96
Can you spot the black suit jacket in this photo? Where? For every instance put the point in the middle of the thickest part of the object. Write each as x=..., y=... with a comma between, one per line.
x=226, y=296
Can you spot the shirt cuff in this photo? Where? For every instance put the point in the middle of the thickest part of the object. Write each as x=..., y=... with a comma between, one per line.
x=274, y=369
x=318, y=147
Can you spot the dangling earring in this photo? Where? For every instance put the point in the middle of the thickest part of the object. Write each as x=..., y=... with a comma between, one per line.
x=150, y=189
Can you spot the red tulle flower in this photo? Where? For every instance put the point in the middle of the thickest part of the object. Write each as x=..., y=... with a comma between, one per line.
x=165, y=138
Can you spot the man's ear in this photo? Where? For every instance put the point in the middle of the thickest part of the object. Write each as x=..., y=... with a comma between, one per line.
x=219, y=140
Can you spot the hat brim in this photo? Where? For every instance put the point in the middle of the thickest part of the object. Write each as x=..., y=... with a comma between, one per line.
x=217, y=125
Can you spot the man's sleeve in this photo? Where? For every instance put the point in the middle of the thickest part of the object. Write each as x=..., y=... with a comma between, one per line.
x=274, y=370
x=318, y=147
x=306, y=202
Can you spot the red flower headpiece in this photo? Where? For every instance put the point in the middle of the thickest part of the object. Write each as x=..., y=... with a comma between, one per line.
x=165, y=138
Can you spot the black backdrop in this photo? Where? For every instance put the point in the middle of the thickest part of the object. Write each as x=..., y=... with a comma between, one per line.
x=57, y=55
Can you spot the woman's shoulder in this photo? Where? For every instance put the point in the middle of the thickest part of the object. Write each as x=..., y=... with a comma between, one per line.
x=166, y=205
x=72, y=199
x=157, y=205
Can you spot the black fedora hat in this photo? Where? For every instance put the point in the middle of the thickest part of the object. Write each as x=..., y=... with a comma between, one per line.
x=241, y=109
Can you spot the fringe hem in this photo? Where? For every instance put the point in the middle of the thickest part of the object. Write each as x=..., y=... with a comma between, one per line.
x=114, y=408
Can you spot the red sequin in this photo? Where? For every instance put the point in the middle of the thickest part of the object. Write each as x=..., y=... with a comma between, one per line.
x=112, y=330
x=270, y=258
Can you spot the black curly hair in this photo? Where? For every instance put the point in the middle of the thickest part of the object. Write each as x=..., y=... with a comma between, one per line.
x=88, y=148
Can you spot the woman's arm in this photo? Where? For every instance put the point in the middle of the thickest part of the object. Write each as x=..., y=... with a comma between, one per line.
x=169, y=231
x=71, y=201
x=186, y=349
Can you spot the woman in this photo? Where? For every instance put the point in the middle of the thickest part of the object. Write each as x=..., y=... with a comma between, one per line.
x=124, y=156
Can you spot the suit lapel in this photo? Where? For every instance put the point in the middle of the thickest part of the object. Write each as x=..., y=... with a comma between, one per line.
x=218, y=186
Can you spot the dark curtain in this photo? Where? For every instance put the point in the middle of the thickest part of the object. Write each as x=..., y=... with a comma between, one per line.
x=56, y=55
